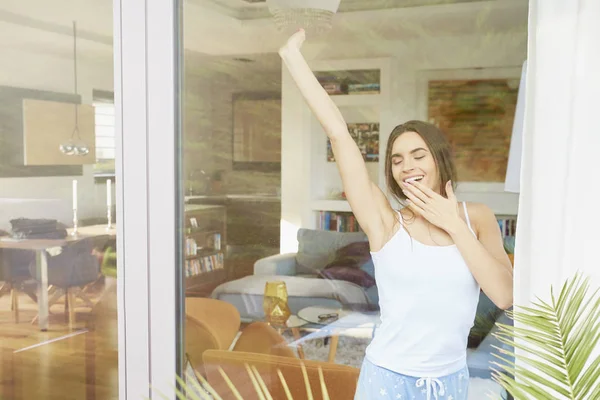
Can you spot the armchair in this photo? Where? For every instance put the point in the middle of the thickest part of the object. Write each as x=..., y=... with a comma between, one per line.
x=339, y=379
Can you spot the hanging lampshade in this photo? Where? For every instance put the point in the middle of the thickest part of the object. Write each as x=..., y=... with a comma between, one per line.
x=74, y=146
x=314, y=16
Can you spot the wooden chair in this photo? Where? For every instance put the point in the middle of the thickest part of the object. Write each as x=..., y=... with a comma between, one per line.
x=340, y=380
x=214, y=325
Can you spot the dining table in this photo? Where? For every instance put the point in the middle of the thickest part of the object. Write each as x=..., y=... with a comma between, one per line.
x=40, y=246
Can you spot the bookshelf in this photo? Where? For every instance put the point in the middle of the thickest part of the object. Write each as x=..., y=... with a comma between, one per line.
x=337, y=221
x=204, y=248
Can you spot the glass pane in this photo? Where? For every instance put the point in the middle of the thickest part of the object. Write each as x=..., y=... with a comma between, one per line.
x=276, y=265
x=104, y=119
x=58, y=308
x=104, y=143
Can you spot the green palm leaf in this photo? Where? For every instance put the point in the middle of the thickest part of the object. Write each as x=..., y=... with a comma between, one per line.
x=557, y=340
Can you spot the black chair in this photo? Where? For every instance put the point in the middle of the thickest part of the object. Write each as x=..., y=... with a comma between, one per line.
x=70, y=270
x=16, y=277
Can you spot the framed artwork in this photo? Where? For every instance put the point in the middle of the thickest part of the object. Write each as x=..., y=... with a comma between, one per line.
x=257, y=131
x=366, y=136
x=477, y=114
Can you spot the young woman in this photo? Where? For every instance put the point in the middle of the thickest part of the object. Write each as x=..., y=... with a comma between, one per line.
x=431, y=258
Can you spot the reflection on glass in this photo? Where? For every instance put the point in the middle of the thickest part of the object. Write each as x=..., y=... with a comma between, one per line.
x=58, y=309
x=282, y=214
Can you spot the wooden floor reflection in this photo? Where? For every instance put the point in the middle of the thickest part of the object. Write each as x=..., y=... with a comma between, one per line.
x=60, y=364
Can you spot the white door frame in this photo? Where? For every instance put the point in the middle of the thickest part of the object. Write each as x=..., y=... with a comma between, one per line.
x=146, y=43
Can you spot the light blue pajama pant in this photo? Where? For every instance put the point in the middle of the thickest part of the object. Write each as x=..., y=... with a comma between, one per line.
x=377, y=383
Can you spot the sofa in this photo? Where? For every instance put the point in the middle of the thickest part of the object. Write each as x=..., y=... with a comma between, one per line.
x=303, y=273
x=334, y=269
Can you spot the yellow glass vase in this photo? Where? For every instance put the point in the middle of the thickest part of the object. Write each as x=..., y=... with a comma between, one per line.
x=275, y=303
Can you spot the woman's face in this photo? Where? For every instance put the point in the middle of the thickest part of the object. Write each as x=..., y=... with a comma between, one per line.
x=412, y=160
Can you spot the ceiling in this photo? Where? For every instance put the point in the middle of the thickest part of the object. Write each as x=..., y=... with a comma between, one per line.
x=257, y=9
x=370, y=32
x=228, y=29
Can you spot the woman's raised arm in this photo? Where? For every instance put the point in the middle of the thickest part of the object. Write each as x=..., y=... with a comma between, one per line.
x=369, y=205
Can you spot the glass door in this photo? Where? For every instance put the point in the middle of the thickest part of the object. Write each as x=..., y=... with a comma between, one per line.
x=247, y=229
x=60, y=235
x=89, y=199
x=276, y=268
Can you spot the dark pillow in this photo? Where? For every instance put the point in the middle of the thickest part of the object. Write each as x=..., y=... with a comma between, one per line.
x=356, y=249
x=348, y=274
x=485, y=318
x=355, y=254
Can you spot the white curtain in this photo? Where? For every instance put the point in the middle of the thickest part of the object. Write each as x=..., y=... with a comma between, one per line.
x=513, y=169
x=558, y=229
x=559, y=207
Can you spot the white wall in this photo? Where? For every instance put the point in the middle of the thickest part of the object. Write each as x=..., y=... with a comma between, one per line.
x=328, y=171
x=50, y=197
x=488, y=52
x=409, y=59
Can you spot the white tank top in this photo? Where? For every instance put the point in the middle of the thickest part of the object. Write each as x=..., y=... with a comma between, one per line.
x=428, y=298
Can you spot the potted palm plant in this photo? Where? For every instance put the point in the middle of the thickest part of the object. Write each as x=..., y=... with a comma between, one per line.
x=556, y=341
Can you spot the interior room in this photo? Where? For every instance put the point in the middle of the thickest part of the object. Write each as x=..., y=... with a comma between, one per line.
x=291, y=247
x=265, y=216
x=58, y=300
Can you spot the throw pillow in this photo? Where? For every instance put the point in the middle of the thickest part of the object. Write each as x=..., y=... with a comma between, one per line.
x=317, y=248
x=357, y=254
x=348, y=274
x=351, y=263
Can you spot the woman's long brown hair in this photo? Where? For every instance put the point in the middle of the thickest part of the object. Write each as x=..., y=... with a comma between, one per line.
x=438, y=145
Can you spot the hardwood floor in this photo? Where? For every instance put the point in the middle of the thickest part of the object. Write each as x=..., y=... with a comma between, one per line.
x=60, y=363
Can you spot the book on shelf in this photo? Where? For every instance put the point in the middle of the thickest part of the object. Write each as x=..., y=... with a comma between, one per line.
x=508, y=226
x=338, y=221
x=204, y=264
x=212, y=241
x=191, y=247
x=346, y=222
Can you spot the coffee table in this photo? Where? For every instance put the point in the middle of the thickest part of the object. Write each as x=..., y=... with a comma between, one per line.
x=294, y=324
x=333, y=322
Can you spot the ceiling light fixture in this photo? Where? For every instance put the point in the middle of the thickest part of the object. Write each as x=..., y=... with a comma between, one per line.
x=314, y=16
x=75, y=146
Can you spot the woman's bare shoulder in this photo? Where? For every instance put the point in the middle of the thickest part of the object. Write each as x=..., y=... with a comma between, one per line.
x=480, y=214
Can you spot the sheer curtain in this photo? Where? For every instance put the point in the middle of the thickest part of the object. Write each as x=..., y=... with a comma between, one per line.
x=513, y=169
x=559, y=206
